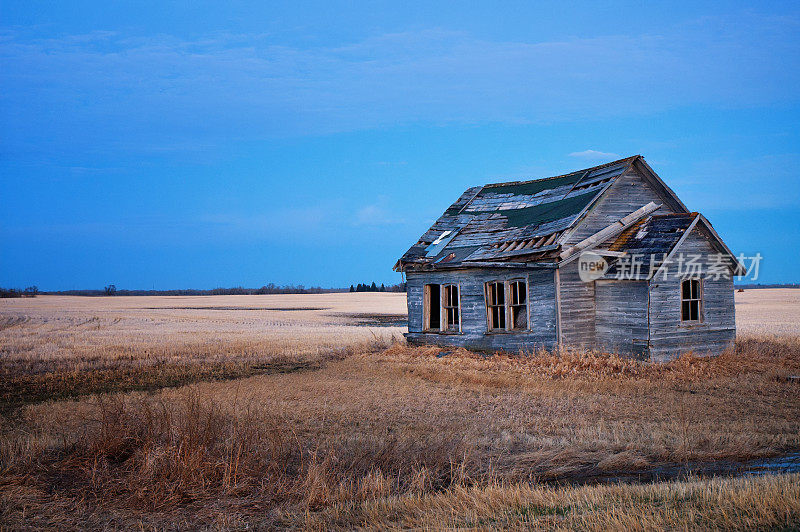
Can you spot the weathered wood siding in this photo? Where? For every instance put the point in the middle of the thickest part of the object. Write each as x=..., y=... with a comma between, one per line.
x=577, y=308
x=668, y=337
x=621, y=317
x=629, y=192
x=474, y=335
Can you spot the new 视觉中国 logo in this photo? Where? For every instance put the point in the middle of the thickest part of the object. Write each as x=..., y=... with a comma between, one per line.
x=591, y=266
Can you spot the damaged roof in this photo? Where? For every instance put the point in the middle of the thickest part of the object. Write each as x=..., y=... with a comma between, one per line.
x=657, y=234
x=654, y=238
x=507, y=222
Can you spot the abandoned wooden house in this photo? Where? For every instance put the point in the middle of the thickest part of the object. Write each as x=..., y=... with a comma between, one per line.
x=607, y=257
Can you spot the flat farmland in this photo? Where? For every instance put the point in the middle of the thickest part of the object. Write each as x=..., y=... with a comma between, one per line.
x=61, y=333
x=233, y=412
x=86, y=331
x=64, y=345
x=768, y=312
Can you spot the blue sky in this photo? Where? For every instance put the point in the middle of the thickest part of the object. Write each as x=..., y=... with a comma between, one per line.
x=162, y=146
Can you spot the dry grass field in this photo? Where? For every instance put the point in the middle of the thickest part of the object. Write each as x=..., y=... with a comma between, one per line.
x=322, y=419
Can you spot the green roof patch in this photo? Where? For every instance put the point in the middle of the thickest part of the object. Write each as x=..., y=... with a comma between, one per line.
x=545, y=212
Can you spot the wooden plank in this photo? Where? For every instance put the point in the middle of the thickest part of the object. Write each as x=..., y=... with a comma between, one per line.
x=577, y=308
x=610, y=230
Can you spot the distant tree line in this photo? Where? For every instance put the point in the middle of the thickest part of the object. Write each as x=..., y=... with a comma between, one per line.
x=31, y=291
x=271, y=288
x=360, y=287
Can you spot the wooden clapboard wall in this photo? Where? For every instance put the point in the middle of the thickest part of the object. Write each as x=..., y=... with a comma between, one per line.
x=474, y=334
x=578, y=307
x=621, y=317
x=668, y=337
x=628, y=193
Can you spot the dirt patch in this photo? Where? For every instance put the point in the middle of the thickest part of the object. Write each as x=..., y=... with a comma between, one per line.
x=378, y=320
x=18, y=390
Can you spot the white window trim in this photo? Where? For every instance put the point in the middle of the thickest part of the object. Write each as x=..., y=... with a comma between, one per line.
x=426, y=309
x=488, y=307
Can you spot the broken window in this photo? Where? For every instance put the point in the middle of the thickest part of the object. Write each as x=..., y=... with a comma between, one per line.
x=496, y=305
x=450, y=307
x=519, y=304
x=507, y=305
x=691, y=300
x=432, y=308
x=442, y=308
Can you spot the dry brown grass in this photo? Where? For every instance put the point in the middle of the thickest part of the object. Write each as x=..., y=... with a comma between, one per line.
x=403, y=438
x=754, y=503
x=54, y=333
x=297, y=448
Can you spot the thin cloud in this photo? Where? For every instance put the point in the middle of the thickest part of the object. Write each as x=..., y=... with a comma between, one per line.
x=594, y=155
x=377, y=214
x=431, y=76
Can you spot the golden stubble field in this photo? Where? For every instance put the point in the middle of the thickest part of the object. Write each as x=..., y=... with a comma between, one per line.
x=768, y=311
x=86, y=332
x=231, y=412
x=55, y=346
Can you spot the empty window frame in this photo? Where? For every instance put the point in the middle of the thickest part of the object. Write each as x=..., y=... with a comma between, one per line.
x=691, y=301
x=451, y=308
x=507, y=305
x=518, y=291
x=496, y=305
x=432, y=308
x=442, y=308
